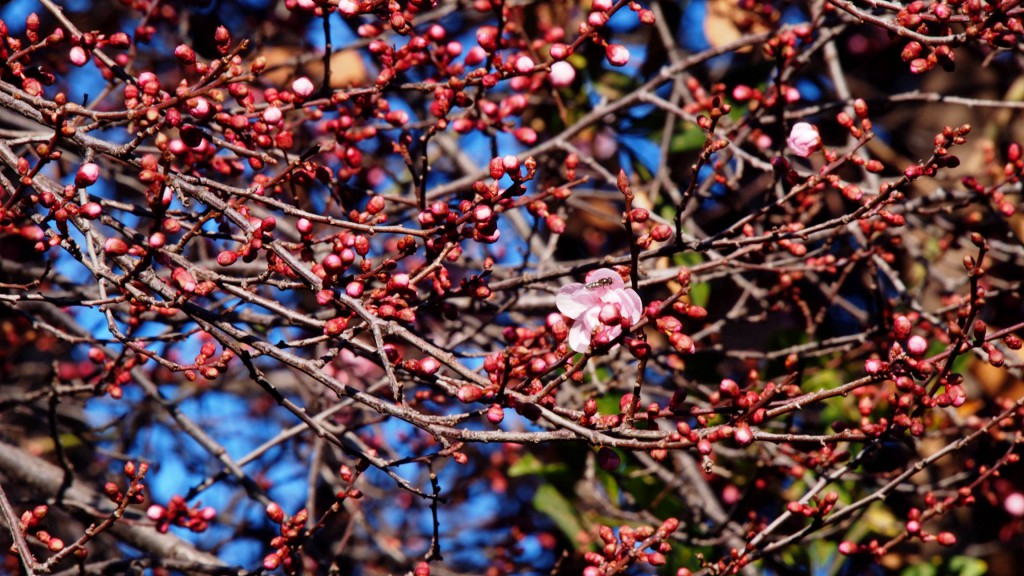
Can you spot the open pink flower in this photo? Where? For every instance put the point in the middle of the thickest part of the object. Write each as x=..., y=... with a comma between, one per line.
x=803, y=139
x=599, y=309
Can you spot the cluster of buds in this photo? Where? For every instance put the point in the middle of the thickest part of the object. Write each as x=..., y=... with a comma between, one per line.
x=293, y=530
x=630, y=545
x=135, y=492
x=818, y=508
x=179, y=513
x=785, y=44
x=208, y=363
x=117, y=372
x=31, y=519
x=937, y=18
x=672, y=326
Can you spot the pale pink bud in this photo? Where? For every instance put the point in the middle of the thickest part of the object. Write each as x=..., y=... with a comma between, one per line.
x=33, y=233
x=354, y=289
x=597, y=19
x=555, y=223
x=78, y=56
x=469, y=393
x=524, y=65
x=1014, y=504
x=332, y=263
x=872, y=366
x=227, y=258
x=917, y=345
x=155, y=512
x=185, y=54
x=482, y=213
x=562, y=74
x=497, y=168
x=919, y=65
x=304, y=226
x=302, y=87
x=87, y=175
x=602, y=5
x=429, y=365
x=742, y=93
x=853, y=192
x=348, y=7
x=846, y=547
x=184, y=279
x=560, y=51
x=272, y=115
x=743, y=434
x=398, y=281
x=475, y=56
x=510, y=162
x=91, y=210
x=495, y=414
x=618, y=55
x=610, y=314
x=201, y=109
x=901, y=326
x=526, y=135
x=661, y=232
x=803, y=139
x=729, y=387
x=115, y=247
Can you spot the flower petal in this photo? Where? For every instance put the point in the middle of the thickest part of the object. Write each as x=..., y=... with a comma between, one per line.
x=579, y=336
x=605, y=273
x=573, y=300
x=632, y=306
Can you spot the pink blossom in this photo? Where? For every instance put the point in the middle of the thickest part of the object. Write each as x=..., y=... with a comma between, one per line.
x=803, y=139
x=302, y=87
x=562, y=74
x=583, y=303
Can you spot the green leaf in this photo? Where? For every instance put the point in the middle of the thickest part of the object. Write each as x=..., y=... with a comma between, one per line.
x=611, y=486
x=550, y=502
x=690, y=138
x=825, y=379
x=879, y=519
x=700, y=293
x=529, y=465
x=921, y=569
x=608, y=404
x=962, y=363
x=823, y=555
x=967, y=566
